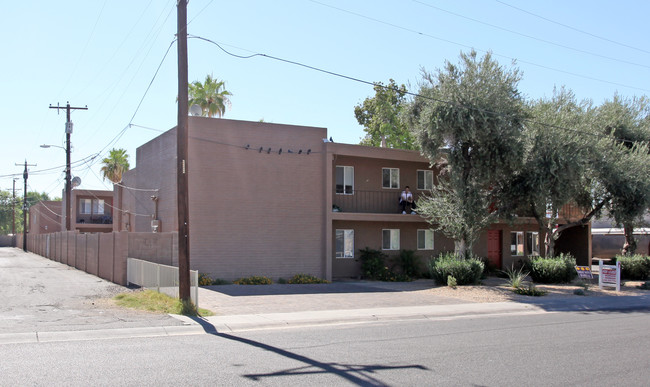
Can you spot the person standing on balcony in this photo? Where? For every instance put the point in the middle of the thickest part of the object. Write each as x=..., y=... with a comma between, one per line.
x=406, y=200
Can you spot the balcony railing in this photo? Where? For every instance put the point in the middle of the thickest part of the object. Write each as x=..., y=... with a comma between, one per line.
x=379, y=202
x=95, y=219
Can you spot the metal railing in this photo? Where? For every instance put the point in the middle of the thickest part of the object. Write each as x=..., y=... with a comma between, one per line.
x=380, y=202
x=162, y=278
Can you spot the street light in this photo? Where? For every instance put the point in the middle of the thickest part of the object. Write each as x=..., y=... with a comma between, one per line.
x=67, y=180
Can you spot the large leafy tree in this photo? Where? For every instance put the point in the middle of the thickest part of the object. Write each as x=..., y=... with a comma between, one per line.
x=381, y=118
x=210, y=95
x=556, y=169
x=7, y=208
x=627, y=176
x=115, y=165
x=471, y=115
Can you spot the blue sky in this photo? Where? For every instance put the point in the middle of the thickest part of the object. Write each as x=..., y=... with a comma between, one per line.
x=104, y=54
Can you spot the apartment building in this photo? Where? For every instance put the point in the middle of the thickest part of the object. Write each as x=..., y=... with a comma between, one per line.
x=278, y=200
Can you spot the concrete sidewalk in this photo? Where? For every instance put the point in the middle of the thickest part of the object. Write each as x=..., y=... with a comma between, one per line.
x=49, y=301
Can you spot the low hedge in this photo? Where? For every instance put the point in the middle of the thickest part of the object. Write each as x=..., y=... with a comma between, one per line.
x=465, y=271
x=635, y=267
x=552, y=270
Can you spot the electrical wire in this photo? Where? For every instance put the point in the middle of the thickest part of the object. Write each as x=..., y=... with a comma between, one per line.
x=483, y=51
x=406, y=93
x=573, y=28
x=533, y=37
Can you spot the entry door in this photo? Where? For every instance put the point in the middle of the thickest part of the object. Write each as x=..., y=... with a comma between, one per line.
x=494, y=247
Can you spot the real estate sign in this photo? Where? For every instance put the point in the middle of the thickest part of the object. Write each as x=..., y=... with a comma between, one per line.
x=609, y=275
x=584, y=272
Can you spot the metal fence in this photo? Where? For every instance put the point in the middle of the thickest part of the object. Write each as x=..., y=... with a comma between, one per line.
x=381, y=202
x=162, y=278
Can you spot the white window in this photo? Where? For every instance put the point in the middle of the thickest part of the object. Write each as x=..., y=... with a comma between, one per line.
x=344, y=180
x=344, y=243
x=390, y=239
x=390, y=177
x=425, y=179
x=85, y=206
x=517, y=243
x=425, y=239
x=532, y=243
x=98, y=206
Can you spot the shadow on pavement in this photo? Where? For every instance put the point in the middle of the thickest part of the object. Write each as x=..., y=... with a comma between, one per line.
x=361, y=375
x=333, y=288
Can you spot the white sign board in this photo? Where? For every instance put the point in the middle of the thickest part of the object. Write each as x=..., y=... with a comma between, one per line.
x=609, y=275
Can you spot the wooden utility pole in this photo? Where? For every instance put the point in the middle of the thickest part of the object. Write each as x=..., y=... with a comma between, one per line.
x=25, y=176
x=68, y=184
x=181, y=159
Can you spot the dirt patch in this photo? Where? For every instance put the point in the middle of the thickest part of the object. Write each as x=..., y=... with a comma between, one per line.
x=495, y=289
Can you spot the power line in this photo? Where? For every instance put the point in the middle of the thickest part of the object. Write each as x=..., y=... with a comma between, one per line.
x=533, y=37
x=484, y=51
x=573, y=28
x=397, y=90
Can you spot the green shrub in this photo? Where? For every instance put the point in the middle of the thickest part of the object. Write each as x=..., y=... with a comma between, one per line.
x=579, y=292
x=409, y=263
x=306, y=279
x=635, y=267
x=220, y=281
x=204, y=280
x=452, y=282
x=531, y=290
x=560, y=269
x=465, y=271
x=372, y=263
x=282, y=281
x=644, y=286
x=253, y=280
x=373, y=267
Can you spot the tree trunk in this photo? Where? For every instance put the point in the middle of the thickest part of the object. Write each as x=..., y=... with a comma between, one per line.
x=629, y=248
x=460, y=247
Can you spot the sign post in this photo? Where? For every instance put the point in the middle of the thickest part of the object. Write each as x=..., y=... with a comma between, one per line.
x=609, y=275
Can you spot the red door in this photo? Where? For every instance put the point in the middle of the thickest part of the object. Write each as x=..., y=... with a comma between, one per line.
x=494, y=247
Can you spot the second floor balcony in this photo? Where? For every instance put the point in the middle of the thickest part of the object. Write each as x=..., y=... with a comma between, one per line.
x=377, y=202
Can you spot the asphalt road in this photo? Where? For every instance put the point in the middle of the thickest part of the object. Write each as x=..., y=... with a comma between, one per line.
x=545, y=349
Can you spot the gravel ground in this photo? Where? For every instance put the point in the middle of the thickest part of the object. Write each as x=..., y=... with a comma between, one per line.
x=494, y=289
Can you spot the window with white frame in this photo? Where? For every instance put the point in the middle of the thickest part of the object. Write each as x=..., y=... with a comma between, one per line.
x=85, y=206
x=532, y=243
x=344, y=180
x=390, y=177
x=344, y=243
x=425, y=179
x=390, y=239
x=517, y=243
x=425, y=239
x=98, y=206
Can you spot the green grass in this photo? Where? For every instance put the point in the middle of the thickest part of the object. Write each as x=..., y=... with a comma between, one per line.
x=153, y=301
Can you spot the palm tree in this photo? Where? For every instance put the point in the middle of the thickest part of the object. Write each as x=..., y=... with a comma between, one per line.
x=115, y=165
x=210, y=95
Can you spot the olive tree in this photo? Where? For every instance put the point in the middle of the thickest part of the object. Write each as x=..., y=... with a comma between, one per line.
x=468, y=117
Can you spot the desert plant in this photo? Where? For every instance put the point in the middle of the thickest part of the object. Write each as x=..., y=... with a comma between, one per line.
x=306, y=279
x=409, y=263
x=531, y=290
x=451, y=282
x=635, y=267
x=281, y=281
x=579, y=292
x=465, y=271
x=253, y=280
x=221, y=281
x=644, y=286
x=559, y=269
x=515, y=276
